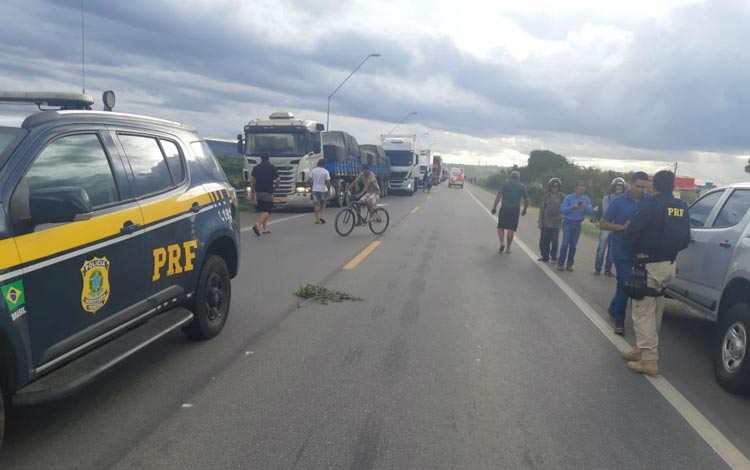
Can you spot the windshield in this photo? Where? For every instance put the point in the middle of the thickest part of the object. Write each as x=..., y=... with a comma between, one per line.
x=9, y=138
x=400, y=157
x=282, y=144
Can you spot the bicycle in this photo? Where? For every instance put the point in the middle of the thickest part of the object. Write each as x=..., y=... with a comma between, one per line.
x=351, y=217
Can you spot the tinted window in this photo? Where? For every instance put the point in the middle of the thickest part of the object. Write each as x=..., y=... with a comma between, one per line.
x=734, y=209
x=208, y=160
x=148, y=164
x=75, y=160
x=702, y=208
x=176, y=167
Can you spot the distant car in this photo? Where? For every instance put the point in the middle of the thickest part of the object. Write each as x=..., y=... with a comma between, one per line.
x=713, y=276
x=115, y=229
x=456, y=177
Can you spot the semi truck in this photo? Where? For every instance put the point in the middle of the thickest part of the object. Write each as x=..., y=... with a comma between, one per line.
x=425, y=167
x=403, y=152
x=437, y=169
x=343, y=160
x=295, y=146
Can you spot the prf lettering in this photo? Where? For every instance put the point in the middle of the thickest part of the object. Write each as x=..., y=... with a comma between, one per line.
x=675, y=212
x=177, y=259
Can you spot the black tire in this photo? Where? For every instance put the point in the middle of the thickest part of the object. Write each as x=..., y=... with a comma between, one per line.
x=385, y=219
x=732, y=365
x=210, y=306
x=344, y=223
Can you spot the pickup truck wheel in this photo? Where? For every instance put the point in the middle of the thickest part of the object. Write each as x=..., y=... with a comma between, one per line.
x=732, y=361
x=210, y=305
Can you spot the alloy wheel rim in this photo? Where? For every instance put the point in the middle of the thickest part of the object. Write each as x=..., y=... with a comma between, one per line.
x=734, y=347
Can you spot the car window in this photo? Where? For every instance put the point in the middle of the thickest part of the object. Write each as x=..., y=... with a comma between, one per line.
x=174, y=160
x=148, y=164
x=734, y=209
x=74, y=160
x=702, y=208
x=208, y=160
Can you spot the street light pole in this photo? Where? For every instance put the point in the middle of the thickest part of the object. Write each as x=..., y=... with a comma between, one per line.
x=401, y=122
x=328, y=113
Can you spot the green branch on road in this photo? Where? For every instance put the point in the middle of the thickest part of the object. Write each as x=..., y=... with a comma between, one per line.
x=323, y=295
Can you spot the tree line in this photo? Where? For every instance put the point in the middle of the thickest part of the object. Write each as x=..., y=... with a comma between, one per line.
x=543, y=165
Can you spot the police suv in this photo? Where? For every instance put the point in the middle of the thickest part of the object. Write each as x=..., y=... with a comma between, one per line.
x=115, y=229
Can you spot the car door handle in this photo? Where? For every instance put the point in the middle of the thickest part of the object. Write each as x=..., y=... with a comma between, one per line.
x=195, y=207
x=129, y=227
x=725, y=244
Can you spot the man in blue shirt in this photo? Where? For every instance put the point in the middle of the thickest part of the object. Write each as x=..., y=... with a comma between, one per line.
x=574, y=208
x=616, y=220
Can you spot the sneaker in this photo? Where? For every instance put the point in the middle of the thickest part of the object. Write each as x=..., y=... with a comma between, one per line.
x=569, y=269
x=644, y=367
x=542, y=259
x=553, y=261
x=597, y=273
x=632, y=356
x=609, y=274
x=619, y=328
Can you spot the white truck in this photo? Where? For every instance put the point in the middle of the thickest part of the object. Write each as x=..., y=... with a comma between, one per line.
x=294, y=147
x=403, y=152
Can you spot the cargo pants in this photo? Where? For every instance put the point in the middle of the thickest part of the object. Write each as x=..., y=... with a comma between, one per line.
x=647, y=313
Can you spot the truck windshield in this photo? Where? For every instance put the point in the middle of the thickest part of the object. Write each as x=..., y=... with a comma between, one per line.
x=9, y=138
x=276, y=144
x=400, y=157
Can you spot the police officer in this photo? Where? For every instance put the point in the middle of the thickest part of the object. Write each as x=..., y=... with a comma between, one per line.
x=657, y=232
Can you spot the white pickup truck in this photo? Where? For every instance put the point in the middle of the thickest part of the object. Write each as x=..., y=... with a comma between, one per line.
x=713, y=277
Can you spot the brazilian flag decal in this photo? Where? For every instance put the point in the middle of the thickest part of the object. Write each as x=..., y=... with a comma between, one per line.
x=13, y=295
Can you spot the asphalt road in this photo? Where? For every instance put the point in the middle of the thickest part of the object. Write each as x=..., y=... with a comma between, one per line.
x=457, y=357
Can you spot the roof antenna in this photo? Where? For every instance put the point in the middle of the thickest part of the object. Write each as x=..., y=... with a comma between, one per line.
x=83, y=51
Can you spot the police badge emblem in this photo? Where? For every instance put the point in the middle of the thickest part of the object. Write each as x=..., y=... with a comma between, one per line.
x=95, y=292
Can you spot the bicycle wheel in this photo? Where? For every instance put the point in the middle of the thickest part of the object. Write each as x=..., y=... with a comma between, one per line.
x=380, y=221
x=345, y=222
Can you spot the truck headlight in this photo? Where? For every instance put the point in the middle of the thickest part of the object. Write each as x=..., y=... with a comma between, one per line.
x=300, y=189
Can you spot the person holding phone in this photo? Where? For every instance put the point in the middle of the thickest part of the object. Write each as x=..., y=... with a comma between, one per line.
x=574, y=208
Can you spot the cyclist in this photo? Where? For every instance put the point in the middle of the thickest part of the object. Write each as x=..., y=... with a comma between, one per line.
x=370, y=190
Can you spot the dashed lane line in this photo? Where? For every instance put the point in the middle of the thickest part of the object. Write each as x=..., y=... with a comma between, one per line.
x=705, y=429
x=361, y=256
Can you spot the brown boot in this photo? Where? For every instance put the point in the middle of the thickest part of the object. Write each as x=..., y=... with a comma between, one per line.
x=644, y=367
x=634, y=355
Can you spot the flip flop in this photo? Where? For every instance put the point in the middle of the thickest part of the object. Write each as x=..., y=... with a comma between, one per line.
x=322, y=221
x=256, y=231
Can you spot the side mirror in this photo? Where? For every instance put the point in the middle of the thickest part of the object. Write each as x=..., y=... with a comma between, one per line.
x=59, y=205
x=240, y=144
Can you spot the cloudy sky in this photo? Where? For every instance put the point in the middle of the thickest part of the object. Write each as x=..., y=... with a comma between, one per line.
x=625, y=85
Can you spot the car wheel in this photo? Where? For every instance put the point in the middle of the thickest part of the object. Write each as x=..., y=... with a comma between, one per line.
x=732, y=364
x=210, y=305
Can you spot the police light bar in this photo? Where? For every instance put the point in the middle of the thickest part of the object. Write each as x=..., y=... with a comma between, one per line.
x=58, y=100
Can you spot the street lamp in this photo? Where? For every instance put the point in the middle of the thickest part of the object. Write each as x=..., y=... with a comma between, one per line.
x=401, y=122
x=328, y=114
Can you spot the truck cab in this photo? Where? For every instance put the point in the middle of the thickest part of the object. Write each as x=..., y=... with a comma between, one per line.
x=403, y=152
x=294, y=148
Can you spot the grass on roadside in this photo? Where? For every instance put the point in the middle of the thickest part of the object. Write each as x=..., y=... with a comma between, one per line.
x=590, y=230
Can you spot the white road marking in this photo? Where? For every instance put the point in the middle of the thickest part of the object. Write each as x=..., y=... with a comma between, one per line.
x=278, y=221
x=707, y=431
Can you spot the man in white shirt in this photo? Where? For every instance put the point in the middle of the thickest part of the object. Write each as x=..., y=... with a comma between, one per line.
x=321, y=184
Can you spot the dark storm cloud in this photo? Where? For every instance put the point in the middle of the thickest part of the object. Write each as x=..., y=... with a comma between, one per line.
x=681, y=84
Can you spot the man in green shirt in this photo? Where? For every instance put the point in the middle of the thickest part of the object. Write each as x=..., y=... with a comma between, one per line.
x=511, y=194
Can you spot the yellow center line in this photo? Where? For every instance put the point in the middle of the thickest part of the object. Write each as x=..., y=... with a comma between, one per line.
x=361, y=256
x=415, y=209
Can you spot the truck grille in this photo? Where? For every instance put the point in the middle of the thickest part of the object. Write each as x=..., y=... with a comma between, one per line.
x=399, y=175
x=286, y=175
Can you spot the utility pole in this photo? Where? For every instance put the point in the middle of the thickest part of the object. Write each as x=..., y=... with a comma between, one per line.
x=675, y=169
